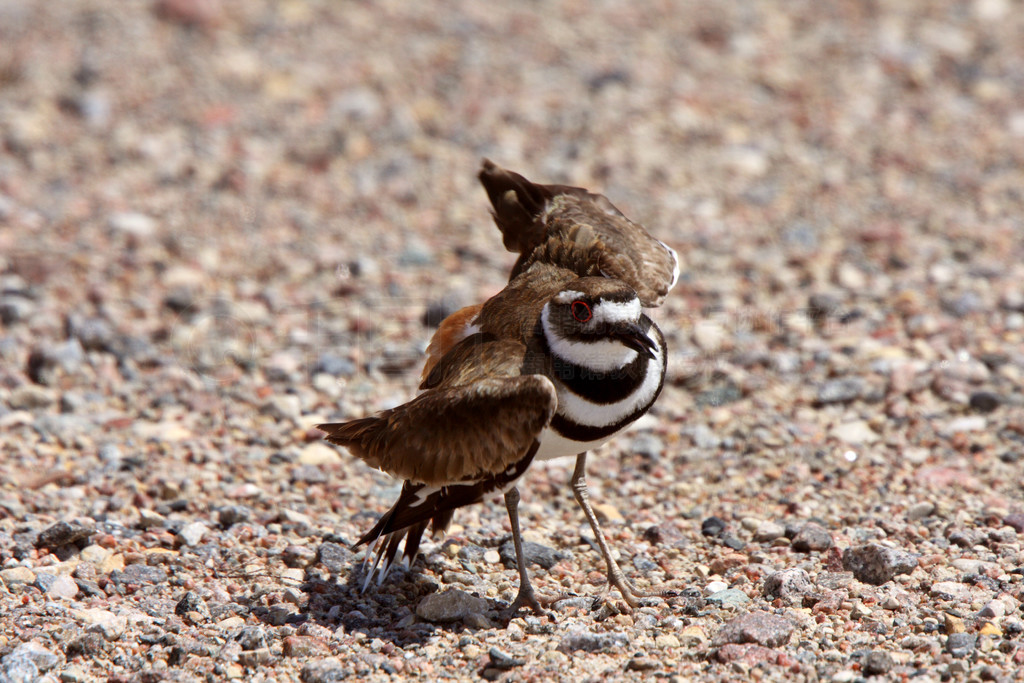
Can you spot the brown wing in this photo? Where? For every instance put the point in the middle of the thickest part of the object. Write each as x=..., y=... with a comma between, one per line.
x=580, y=230
x=479, y=416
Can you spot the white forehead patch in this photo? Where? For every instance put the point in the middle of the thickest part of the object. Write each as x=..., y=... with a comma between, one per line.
x=568, y=296
x=617, y=311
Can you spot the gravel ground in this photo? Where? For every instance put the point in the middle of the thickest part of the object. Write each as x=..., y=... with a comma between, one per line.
x=224, y=222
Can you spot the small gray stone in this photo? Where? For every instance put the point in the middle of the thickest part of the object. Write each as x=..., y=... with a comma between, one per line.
x=88, y=645
x=533, y=553
x=757, y=627
x=787, y=583
x=233, y=514
x=961, y=645
x=251, y=637
x=840, y=390
x=877, y=564
x=42, y=660
x=62, y=587
x=149, y=519
x=767, y=532
x=502, y=661
x=297, y=556
x=877, y=663
x=94, y=334
x=15, y=308
x=30, y=397
x=334, y=557
x=448, y=606
x=920, y=510
x=334, y=366
x=63, y=533
x=647, y=445
x=139, y=574
x=324, y=671
x=191, y=602
x=588, y=641
x=704, y=438
x=812, y=537
x=192, y=534
x=730, y=597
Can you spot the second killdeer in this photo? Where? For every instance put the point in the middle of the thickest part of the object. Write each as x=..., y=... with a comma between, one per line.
x=554, y=365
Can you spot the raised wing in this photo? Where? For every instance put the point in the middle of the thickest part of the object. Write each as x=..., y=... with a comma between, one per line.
x=573, y=228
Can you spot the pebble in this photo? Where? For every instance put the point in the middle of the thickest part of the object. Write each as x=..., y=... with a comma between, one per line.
x=139, y=574
x=334, y=557
x=877, y=564
x=62, y=587
x=319, y=454
x=87, y=645
x=150, y=519
x=450, y=605
x=131, y=223
x=758, y=627
x=974, y=423
x=586, y=640
x=877, y=663
x=919, y=511
x=712, y=526
x=950, y=590
x=812, y=537
x=840, y=390
x=27, y=661
x=984, y=401
x=15, y=309
x=767, y=532
x=192, y=534
x=17, y=576
x=730, y=598
x=328, y=670
x=855, y=432
x=191, y=604
x=961, y=645
x=31, y=397
x=304, y=646
x=787, y=583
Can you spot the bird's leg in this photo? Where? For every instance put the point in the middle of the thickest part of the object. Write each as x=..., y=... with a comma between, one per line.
x=615, y=576
x=526, y=596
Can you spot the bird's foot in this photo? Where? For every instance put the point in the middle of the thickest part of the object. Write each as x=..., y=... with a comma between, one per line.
x=633, y=596
x=527, y=598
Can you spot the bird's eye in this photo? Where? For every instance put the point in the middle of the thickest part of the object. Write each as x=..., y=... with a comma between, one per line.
x=581, y=311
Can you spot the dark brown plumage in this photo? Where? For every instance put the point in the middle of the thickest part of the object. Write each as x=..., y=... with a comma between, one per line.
x=579, y=230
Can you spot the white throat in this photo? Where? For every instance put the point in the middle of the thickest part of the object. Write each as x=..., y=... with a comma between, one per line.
x=599, y=356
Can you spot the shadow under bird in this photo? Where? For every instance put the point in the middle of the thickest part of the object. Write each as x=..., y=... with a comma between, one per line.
x=556, y=364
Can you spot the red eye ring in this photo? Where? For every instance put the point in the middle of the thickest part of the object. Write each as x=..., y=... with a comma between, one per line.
x=581, y=311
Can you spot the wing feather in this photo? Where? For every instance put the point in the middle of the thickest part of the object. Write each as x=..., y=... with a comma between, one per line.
x=467, y=423
x=577, y=229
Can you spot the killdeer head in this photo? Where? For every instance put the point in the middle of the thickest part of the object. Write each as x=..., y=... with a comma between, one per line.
x=597, y=324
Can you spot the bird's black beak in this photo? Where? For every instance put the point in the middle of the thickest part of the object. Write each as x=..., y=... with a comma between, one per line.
x=635, y=337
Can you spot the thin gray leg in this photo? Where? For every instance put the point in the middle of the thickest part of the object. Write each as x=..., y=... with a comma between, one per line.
x=615, y=575
x=526, y=596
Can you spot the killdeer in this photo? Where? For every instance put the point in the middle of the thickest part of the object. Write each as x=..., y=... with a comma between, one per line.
x=554, y=365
